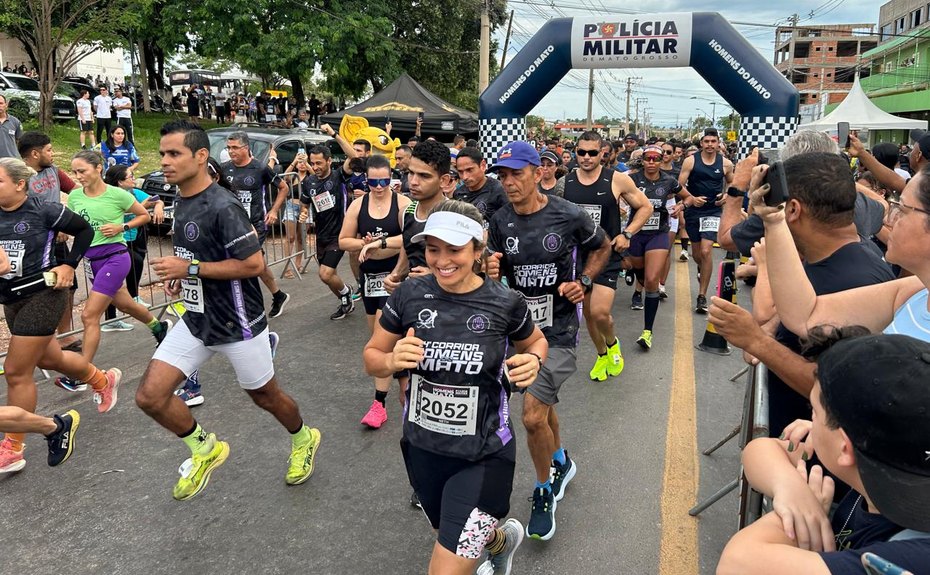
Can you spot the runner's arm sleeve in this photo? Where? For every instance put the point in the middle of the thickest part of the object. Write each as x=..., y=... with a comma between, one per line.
x=73, y=225
x=65, y=183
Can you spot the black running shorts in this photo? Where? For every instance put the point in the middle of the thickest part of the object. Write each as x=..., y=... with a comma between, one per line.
x=36, y=315
x=328, y=253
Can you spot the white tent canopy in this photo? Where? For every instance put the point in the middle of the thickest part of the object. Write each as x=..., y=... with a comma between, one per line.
x=862, y=114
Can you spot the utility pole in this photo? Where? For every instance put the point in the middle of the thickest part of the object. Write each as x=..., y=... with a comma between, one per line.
x=484, y=62
x=713, y=113
x=636, y=124
x=629, y=88
x=507, y=40
x=590, y=123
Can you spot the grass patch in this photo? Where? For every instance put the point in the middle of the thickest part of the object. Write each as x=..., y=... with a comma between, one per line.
x=66, y=138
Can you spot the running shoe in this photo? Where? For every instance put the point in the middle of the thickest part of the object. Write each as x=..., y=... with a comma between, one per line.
x=190, y=394
x=300, y=464
x=629, y=278
x=662, y=292
x=61, y=441
x=273, y=339
x=75, y=346
x=645, y=340
x=161, y=334
x=140, y=301
x=117, y=325
x=68, y=384
x=562, y=476
x=415, y=501
x=614, y=359
x=346, y=306
x=106, y=398
x=356, y=294
x=684, y=256
x=542, y=515
x=195, y=472
x=599, y=371
x=701, y=306
x=11, y=460
x=376, y=415
x=501, y=563
x=637, y=302
x=278, y=301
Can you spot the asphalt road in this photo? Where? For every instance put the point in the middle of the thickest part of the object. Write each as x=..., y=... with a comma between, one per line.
x=109, y=509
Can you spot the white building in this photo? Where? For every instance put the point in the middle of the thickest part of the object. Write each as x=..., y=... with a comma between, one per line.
x=104, y=64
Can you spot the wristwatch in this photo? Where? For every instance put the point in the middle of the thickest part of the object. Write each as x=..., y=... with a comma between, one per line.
x=735, y=192
x=627, y=235
x=585, y=283
x=126, y=227
x=383, y=243
x=193, y=269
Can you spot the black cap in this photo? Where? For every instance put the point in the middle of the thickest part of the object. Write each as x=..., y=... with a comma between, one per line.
x=877, y=388
x=551, y=156
x=633, y=137
x=711, y=132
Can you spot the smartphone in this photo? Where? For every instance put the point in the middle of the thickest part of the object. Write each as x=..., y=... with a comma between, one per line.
x=875, y=565
x=726, y=281
x=420, y=116
x=778, y=184
x=301, y=151
x=51, y=278
x=842, y=134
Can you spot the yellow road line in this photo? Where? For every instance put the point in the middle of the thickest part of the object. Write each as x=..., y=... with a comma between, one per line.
x=678, y=547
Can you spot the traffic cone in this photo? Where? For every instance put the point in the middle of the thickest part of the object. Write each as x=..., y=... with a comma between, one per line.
x=713, y=342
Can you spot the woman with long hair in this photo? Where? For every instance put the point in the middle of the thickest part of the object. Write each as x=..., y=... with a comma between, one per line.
x=117, y=150
x=34, y=293
x=292, y=227
x=453, y=329
x=107, y=260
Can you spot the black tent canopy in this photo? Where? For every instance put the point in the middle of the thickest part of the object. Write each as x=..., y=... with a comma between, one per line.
x=401, y=102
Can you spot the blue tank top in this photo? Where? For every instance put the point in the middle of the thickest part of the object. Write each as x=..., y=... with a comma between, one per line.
x=912, y=318
x=706, y=180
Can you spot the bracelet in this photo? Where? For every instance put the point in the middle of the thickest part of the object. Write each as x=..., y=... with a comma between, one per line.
x=537, y=356
x=383, y=243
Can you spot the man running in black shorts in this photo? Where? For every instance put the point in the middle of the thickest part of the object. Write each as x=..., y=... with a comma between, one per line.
x=598, y=190
x=535, y=242
x=326, y=193
x=704, y=175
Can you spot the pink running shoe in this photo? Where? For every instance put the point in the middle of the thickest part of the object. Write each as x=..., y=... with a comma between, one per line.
x=106, y=397
x=376, y=415
x=11, y=460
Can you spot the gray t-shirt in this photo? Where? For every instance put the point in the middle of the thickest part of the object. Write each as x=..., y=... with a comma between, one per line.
x=10, y=131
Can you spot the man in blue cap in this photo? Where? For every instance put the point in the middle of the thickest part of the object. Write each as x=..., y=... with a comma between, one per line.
x=535, y=241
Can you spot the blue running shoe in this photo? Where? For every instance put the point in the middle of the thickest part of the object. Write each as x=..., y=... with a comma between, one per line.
x=562, y=475
x=190, y=391
x=68, y=384
x=542, y=515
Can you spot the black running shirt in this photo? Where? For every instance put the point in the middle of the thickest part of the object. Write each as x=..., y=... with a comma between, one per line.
x=211, y=227
x=456, y=404
x=253, y=184
x=416, y=251
x=659, y=192
x=706, y=181
x=328, y=199
x=597, y=199
x=27, y=234
x=490, y=198
x=540, y=252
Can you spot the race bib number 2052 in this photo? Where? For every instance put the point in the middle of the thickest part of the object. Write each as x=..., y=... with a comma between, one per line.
x=445, y=409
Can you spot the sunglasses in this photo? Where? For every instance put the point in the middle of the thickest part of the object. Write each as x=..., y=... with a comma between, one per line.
x=668, y=152
x=652, y=158
x=379, y=182
x=591, y=153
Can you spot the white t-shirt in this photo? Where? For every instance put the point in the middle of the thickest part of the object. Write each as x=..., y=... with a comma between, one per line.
x=85, y=114
x=127, y=113
x=103, y=105
x=220, y=98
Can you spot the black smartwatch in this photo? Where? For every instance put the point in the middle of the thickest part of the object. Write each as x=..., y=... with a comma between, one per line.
x=735, y=192
x=627, y=235
x=585, y=283
x=193, y=269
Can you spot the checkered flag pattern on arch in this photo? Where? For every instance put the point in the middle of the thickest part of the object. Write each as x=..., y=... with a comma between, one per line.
x=765, y=132
x=495, y=132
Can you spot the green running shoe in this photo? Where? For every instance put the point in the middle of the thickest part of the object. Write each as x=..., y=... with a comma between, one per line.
x=599, y=371
x=614, y=359
x=195, y=472
x=300, y=464
x=645, y=340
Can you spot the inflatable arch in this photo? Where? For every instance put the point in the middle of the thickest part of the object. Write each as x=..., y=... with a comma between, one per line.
x=765, y=100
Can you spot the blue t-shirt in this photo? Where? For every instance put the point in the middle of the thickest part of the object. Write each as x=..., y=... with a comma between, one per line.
x=141, y=197
x=912, y=318
x=124, y=155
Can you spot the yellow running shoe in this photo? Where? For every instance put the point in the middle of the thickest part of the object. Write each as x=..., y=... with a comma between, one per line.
x=300, y=464
x=614, y=359
x=645, y=340
x=599, y=371
x=195, y=472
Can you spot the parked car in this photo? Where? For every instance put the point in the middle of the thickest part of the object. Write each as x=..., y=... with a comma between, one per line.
x=74, y=85
x=22, y=94
x=285, y=142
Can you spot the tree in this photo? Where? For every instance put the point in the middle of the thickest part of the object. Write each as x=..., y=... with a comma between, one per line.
x=57, y=34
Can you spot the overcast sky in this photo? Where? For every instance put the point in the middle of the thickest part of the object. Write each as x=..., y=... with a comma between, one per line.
x=668, y=90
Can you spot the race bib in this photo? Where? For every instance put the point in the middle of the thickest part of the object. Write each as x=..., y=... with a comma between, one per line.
x=652, y=224
x=192, y=294
x=324, y=201
x=271, y=118
x=540, y=309
x=709, y=224
x=593, y=210
x=245, y=197
x=445, y=409
x=16, y=264
x=374, y=285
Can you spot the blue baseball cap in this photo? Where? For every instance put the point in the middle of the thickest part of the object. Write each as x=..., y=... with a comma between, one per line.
x=516, y=155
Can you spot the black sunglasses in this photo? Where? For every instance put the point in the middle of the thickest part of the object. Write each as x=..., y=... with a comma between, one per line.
x=591, y=153
x=379, y=182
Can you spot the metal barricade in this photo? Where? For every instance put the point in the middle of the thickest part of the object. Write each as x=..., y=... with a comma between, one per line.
x=278, y=245
x=754, y=423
